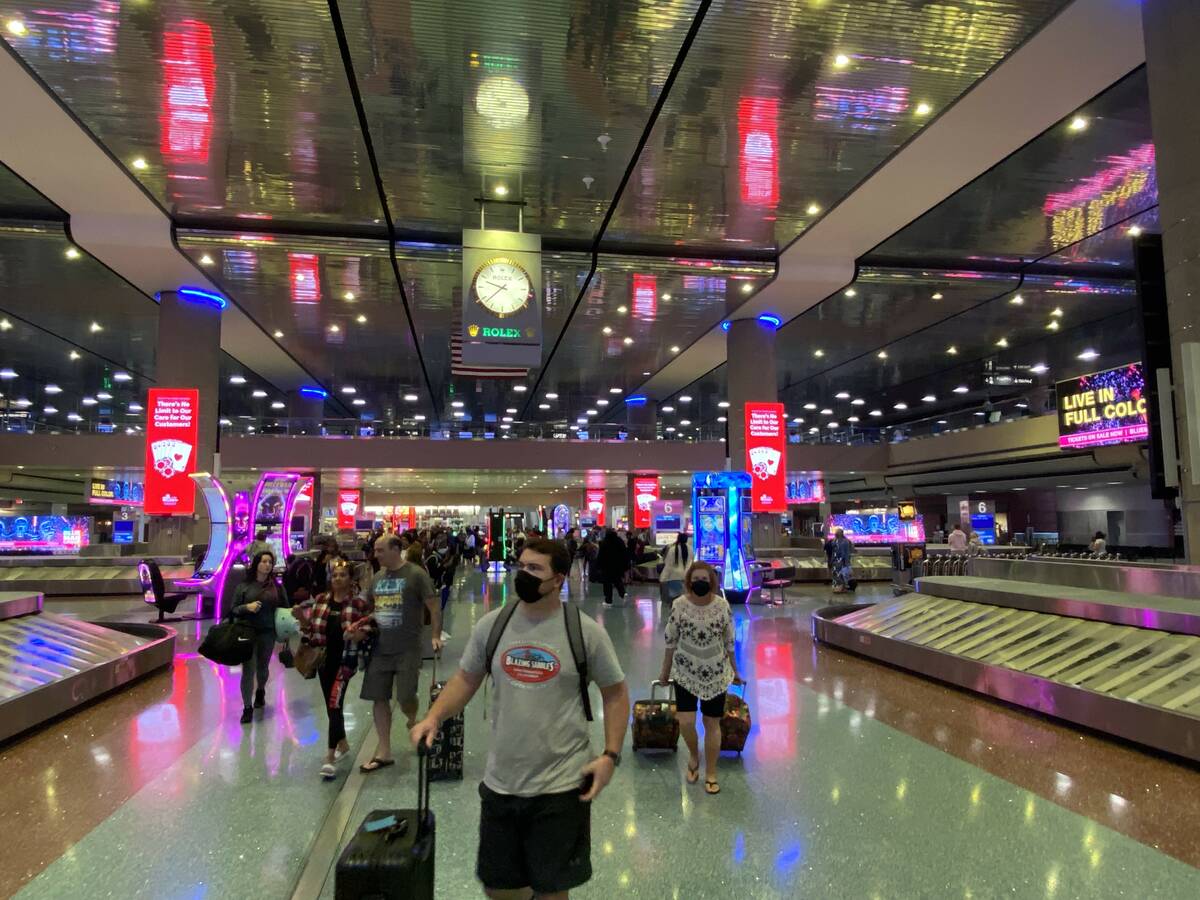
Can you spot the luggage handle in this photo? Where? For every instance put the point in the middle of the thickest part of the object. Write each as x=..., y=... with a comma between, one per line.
x=422, y=788
x=669, y=685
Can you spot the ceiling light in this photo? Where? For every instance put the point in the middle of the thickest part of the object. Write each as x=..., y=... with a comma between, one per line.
x=74, y=417
x=512, y=411
x=1016, y=299
x=135, y=407
x=901, y=406
x=1052, y=325
x=1057, y=312
x=827, y=412
x=1134, y=230
x=520, y=388
x=53, y=389
x=952, y=350
x=122, y=377
x=418, y=418
x=103, y=395
x=1039, y=369
x=459, y=414
x=277, y=404
x=500, y=190
x=5, y=325
x=858, y=401
x=850, y=292
x=813, y=430
x=602, y=402
x=853, y=420
x=543, y=406
x=981, y=414
x=606, y=330
x=627, y=341
x=666, y=297
x=938, y=295
x=685, y=422
x=942, y=422
x=923, y=109
x=724, y=404
x=722, y=419
x=23, y=403
x=929, y=398
x=1079, y=123
x=361, y=319
x=882, y=354
x=622, y=309
x=675, y=348
x=359, y=401
x=95, y=327
x=16, y=28
x=592, y=412
x=457, y=404
x=552, y=396
x=259, y=394
x=1088, y=355
x=833, y=425
x=810, y=406
x=841, y=61
x=334, y=329
x=668, y=409
x=1003, y=342
x=410, y=398
x=140, y=163
x=49, y=410
x=72, y=253
x=818, y=353
x=684, y=398
x=841, y=395
x=962, y=389
x=812, y=209
x=237, y=379
x=670, y=430
x=506, y=419
x=278, y=334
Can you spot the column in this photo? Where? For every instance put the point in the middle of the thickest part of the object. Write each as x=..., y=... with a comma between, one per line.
x=750, y=374
x=1172, y=33
x=641, y=419
x=305, y=412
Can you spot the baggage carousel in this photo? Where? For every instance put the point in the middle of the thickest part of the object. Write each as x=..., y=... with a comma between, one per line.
x=50, y=663
x=1123, y=663
x=67, y=575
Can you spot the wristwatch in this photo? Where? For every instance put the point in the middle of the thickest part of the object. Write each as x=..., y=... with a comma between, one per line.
x=615, y=757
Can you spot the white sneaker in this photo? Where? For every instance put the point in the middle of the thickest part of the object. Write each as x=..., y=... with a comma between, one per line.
x=445, y=635
x=328, y=772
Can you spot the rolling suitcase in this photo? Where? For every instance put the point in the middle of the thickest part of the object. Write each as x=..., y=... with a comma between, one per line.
x=735, y=724
x=446, y=755
x=654, y=724
x=392, y=855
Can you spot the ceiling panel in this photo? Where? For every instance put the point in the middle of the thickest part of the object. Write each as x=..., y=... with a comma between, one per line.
x=20, y=201
x=544, y=100
x=1092, y=171
x=783, y=107
x=234, y=109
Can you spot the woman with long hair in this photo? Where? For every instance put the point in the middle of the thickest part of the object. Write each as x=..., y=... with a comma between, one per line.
x=699, y=660
x=254, y=602
x=333, y=614
x=675, y=564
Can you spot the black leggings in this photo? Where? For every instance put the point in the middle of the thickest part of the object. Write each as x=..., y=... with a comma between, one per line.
x=686, y=702
x=608, y=590
x=327, y=675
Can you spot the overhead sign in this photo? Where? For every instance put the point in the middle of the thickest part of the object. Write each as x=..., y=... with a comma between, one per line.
x=766, y=443
x=645, y=492
x=501, y=299
x=1106, y=407
x=348, y=504
x=114, y=492
x=596, y=503
x=172, y=428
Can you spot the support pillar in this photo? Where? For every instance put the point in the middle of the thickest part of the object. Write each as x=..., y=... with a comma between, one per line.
x=642, y=420
x=750, y=350
x=304, y=413
x=1172, y=33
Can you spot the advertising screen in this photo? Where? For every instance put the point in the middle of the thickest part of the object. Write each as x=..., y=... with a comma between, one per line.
x=172, y=423
x=805, y=489
x=271, y=501
x=44, y=534
x=114, y=492
x=878, y=527
x=766, y=440
x=645, y=492
x=711, y=527
x=348, y=503
x=596, y=503
x=1106, y=407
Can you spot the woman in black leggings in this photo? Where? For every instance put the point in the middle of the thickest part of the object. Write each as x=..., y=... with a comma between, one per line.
x=333, y=612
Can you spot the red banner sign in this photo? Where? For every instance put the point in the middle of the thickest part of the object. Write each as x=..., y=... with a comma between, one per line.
x=172, y=427
x=412, y=518
x=349, y=502
x=645, y=492
x=766, y=449
x=596, y=503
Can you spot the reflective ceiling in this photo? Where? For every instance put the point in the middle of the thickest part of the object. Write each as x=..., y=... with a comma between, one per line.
x=241, y=120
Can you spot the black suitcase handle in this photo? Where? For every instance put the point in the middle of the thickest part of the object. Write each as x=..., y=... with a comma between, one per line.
x=422, y=788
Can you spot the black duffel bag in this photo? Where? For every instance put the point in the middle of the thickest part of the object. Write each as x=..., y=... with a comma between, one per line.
x=229, y=643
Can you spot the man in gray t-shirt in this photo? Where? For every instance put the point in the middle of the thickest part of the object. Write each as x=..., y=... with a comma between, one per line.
x=541, y=776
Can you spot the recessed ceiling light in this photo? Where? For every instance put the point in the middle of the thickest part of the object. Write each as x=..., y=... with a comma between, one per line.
x=685, y=422
x=962, y=389
x=457, y=404
x=882, y=354
x=1088, y=355
x=459, y=414
x=22, y=403
x=841, y=61
x=606, y=330
x=500, y=190
x=722, y=419
x=103, y=395
x=1003, y=342
x=670, y=429
x=278, y=334
x=122, y=377
x=349, y=295
x=543, y=406
x=810, y=406
x=723, y=404
x=853, y=420
x=361, y=319
x=952, y=350
x=684, y=398
x=622, y=309
x=359, y=401
x=237, y=379
x=938, y=295
x=140, y=163
x=675, y=348
x=813, y=430
x=592, y=412
x=942, y=422
x=901, y=406
x=277, y=404
x=1133, y=231
x=520, y=388
x=5, y=325
x=72, y=253
x=797, y=420
x=602, y=402
x=16, y=28
x=833, y=425
x=858, y=401
x=88, y=401
x=410, y=398
x=627, y=341
x=929, y=398
x=1079, y=123
x=74, y=354
x=923, y=109
x=53, y=389
x=841, y=395
x=49, y=410
x=95, y=327
x=552, y=396
x=74, y=417
x=418, y=418
x=8, y=374
x=818, y=353
x=135, y=407
x=827, y=412
x=1016, y=299
x=1039, y=369
x=981, y=414
x=1052, y=325
x=334, y=329
x=506, y=419
x=812, y=209
x=668, y=409
x=512, y=411
x=258, y=394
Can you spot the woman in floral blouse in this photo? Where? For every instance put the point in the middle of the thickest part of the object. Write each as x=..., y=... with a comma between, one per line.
x=699, y=659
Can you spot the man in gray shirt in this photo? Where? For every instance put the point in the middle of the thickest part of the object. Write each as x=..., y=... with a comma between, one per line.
x=535, y=828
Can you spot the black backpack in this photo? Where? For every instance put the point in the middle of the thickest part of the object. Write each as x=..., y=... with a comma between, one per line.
x=571, y=615
x=299, y=574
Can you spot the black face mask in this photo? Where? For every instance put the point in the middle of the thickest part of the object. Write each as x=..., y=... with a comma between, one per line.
x=529, y=587
x=701, y=588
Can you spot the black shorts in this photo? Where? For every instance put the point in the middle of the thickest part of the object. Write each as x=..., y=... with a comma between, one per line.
x=686, y=701
x=543, y=842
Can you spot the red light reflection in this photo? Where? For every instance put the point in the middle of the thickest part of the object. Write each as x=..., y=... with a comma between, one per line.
x=645, y=297
x=189, y=79
x=774, y=711
x=758, y=150
x=304, y=275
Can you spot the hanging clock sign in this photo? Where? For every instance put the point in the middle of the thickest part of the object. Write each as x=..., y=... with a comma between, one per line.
x=501, y=305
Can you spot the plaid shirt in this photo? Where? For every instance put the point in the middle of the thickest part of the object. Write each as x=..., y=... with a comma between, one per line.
x=318, y=621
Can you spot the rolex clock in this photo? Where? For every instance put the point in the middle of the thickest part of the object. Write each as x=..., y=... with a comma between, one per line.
x=502, y=286
x=501, y=300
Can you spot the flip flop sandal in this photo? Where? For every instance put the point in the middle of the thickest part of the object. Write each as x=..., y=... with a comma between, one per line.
x=711, y=787
x=376, y=764
x=693, y=774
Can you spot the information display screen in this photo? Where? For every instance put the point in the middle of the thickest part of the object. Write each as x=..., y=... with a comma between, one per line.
x=44, y=534
x=711, y=537
x=1106, y=407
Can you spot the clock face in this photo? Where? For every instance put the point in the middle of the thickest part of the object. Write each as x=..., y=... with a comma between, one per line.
x=502, y=286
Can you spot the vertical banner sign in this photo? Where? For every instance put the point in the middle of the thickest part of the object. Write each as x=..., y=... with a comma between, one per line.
x=645, y=492
x=412, y=518
x=172, y=427
x=349, y=502
x=596, y=503
x=766, y=437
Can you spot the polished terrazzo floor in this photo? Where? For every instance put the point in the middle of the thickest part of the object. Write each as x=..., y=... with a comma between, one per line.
x=859, y=781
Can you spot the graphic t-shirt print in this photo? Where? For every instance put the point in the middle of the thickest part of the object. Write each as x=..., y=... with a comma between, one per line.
x=389, y=602
x=530, y=664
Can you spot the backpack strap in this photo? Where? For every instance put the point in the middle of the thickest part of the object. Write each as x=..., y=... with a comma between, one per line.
x=493, y=641
x=579, y=651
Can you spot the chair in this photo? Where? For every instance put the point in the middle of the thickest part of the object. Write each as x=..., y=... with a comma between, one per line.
x=154, y=591
x=779, y=578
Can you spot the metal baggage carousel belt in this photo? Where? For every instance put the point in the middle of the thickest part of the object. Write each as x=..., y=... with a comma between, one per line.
x=1142, y=684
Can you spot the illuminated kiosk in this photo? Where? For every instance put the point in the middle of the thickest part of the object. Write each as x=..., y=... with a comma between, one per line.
x=722, y=525
x=497, y=534
x=274, y=498
x=213, y=570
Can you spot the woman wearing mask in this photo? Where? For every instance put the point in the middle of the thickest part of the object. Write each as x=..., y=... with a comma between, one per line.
x=255, y=602
x=699, y=659
x=675, y=564
x=333, y=613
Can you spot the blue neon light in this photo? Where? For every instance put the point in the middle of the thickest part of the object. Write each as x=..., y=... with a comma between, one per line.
x=725, y=325
x=768, y=319
x=636, y=400
x=312, y=392
x=204, y=298
x=733, y=486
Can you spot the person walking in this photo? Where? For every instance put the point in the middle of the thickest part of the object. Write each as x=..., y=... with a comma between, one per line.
x=541, y=776
x=254, y=602
x=394, y=614
x=699, y=659
x=675, y=566
x=612, y=562
x=841, y=555
x=333, y=614
x=1098, y=545
x=957, y=539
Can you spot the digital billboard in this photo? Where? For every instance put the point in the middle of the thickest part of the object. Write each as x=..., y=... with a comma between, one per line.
x=878, y=527
x=645, y=493
x=172, y=424
x=1106, y=407
x=805, y=489
x=766, y=437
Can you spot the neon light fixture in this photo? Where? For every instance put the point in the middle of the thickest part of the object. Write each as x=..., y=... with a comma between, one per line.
x=725, y=325
x=199, y=297
x=772, y=320
x=636, y=400
x=312, y=392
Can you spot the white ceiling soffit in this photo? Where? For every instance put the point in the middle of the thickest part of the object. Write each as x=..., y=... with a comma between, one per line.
x=1086, y=48
x=112, y=218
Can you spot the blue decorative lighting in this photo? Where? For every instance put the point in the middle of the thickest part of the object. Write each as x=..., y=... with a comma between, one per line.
x=196, y=295
x=636, y=400
x=725, y=325
x=312, y=392
x=772, y=320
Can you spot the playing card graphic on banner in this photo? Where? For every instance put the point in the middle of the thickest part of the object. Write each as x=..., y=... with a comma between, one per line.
x=596, y=502
x=172, y=426
x=349, y=501
x=766, y=444
x=645, y=492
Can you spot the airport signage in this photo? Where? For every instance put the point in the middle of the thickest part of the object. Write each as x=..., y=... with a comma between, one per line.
x=645, y=493
x=114, y=492
x=1106, y=407
x=348, y=504
x=596, y=504
x=172, y=429
x=766, y=444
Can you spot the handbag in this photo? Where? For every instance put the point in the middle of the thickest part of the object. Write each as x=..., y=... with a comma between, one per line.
x=675, y=588
x=229, y=643
x=286, y=658
x=309, y=659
